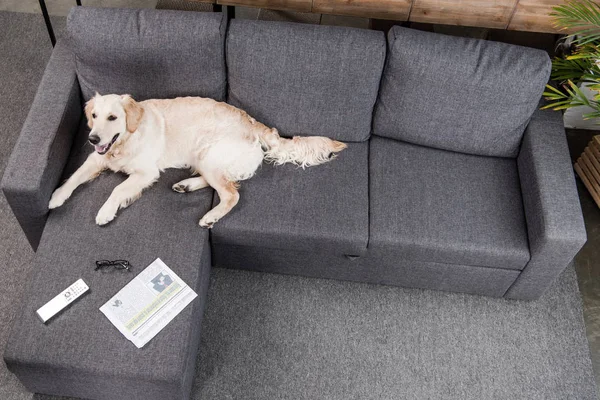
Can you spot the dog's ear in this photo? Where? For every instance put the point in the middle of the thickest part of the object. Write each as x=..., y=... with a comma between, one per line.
x=89, y=106
x=133, y=111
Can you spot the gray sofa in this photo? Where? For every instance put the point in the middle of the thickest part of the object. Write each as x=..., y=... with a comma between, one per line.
x=452, y=180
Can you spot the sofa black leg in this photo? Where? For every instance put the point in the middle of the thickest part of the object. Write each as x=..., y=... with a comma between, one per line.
x=78, y=2
x=48, y=23
x=230, y=12
x=217, y=7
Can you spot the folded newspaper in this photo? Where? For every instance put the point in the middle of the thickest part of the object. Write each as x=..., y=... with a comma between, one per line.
x=148, y=303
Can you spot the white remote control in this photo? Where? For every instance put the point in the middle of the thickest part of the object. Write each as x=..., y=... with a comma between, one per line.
x=60, y=302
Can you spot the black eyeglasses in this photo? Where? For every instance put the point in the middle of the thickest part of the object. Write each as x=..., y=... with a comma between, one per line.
x=104, y=265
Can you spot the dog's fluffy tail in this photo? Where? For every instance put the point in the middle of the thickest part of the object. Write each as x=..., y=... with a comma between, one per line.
x=302, y=151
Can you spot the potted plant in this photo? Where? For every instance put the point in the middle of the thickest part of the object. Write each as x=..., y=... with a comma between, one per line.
x=580, y=68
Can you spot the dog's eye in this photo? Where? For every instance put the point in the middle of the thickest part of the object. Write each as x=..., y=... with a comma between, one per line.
x=93, y=115
x=111, y=117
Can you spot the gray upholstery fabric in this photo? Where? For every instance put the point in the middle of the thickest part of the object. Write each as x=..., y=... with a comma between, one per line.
x=305, y=79
x=434, y=205
x=40, y=154
x=149, y=53
x=552, y=209
x=374, y=267
x=80, y=353
x=466, y=95
x=322, y=208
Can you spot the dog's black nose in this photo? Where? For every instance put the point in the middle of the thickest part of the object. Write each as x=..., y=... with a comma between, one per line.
x=94, y=139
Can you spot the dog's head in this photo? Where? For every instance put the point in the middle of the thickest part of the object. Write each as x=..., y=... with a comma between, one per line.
x=111, y=118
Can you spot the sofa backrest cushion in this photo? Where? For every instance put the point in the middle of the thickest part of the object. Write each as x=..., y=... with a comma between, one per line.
x=305, y=79
x=460, y=94
x=148, y=53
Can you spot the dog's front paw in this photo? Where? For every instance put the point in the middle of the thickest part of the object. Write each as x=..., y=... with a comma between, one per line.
x=58, y=198
x=105, y=215
x=208, y=220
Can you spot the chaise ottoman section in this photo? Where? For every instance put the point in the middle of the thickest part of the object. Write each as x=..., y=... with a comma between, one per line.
x=80, y=353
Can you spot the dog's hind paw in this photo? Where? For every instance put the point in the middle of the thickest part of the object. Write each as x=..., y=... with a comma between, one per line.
x=206, y=225
x=179, y=188
x=208, y=221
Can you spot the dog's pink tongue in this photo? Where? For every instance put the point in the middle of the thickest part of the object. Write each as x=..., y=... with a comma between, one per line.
x=100, y=149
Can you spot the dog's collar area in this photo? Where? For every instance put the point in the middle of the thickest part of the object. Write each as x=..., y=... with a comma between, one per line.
x=104, y=148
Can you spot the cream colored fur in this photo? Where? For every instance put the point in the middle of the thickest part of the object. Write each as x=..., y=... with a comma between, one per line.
x=221, y=143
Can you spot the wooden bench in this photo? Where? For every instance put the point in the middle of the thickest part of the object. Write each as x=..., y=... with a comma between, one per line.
x=518, y=15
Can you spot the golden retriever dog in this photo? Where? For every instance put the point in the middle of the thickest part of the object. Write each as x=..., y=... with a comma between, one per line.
x=219, y=142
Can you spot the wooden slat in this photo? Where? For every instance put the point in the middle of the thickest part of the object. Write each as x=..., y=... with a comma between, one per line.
x=534, y=16
x=586, y=181
x=595, y=148
x=588, y=168
x=593, y=175
x=293, y=5
x=488, y=14
x=396, y=10
x=594, y=160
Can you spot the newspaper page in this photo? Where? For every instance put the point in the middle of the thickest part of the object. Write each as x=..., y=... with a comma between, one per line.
x=148, y=303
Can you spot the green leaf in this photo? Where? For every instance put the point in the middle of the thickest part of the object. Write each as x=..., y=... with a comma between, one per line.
x=592, y=115
x=581, y=18
x=553, y=89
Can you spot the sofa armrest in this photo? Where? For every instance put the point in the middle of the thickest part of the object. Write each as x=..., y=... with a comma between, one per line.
x=552, y=210
x=42, y=149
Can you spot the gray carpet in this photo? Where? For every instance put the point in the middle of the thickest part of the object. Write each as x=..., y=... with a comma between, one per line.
x=275, y=337
x=280, y=337
x=24, y=51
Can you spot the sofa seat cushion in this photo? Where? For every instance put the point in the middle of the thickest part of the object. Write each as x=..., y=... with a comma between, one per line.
x=305, y=79
x=440, y=206
x=80, y=353
x=148, y=53
x=322, y=208
x=461, y=94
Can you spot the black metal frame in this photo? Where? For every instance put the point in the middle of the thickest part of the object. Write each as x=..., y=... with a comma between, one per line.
x=230, y=10
x=48, y=22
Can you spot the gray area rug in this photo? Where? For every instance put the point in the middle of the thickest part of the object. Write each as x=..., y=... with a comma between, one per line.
x=278, y=337
x=281, y=337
